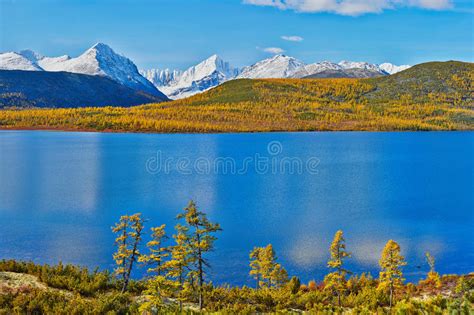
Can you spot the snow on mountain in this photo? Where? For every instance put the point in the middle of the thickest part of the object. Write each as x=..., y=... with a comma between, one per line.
x=161, y=77
x=16, y=61
x=28, y=60
x=391, y=68
x=52, y=63
x=358, y=65
x=313, y=68
x=278, y=66
x=99, y=60
x=207, y=74
x=214, y=71
x=30, y=55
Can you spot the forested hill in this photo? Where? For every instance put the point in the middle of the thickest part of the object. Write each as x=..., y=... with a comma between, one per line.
x=435, y=82
x=451, y=81
x=430, y=96
x=64, y=89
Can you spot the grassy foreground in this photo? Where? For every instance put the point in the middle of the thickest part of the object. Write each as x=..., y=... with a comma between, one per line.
x=67, y=289
x=430, y=96
x=176, y=281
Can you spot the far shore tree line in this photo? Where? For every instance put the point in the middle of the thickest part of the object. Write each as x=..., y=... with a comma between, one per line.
x=178, y=270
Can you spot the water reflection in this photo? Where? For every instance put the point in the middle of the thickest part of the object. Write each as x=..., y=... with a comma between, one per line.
x=61, y=192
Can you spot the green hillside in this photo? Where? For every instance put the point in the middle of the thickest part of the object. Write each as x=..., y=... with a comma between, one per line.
x=430, y=96
x=451, y=81
x=435, y=82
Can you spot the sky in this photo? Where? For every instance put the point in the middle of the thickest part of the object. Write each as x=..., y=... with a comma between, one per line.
x=176, y=34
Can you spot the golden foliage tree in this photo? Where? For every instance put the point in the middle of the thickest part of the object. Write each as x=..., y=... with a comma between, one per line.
x=391, y=262
x=200, y=241
x=265, y=269
x=177, y=267
x=336, y=280
x=157, y=253
x=129, y=235
x=432, y=278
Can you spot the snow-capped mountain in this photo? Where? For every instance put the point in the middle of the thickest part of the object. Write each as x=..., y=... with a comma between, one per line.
x=161, y=77
x=50, y=63
x=358, y=65
x=16, y=61
x=317, y=67
x=278, y=66
x=99, y=60
x=207, y=74
x=214, y=71
x=391, y=68
x=281, y=66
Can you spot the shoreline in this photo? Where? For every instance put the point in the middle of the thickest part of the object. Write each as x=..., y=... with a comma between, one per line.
x=111, y=131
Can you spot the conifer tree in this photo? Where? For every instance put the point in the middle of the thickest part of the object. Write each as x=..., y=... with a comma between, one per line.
x=122, y=255
x=264, y=268
x=129, y=230
x=255, y=265
x=337, y=279
x=432, y=277
x=391, y=262
x=177, y=267
x=201, y=241
x=157, y=253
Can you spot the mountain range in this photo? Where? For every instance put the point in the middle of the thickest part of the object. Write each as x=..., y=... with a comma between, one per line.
x=214, y=71
x=428, y=96
x=102, y=61
x=24, y=88
x=201, y=77
x=99, y=60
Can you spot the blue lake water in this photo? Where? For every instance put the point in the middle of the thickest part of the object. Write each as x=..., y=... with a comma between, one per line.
x=61, y=192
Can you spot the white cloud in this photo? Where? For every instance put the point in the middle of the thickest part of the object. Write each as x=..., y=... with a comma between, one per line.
x=292, y=38
x=273, y=50
x=432, y=4
x=350, y=7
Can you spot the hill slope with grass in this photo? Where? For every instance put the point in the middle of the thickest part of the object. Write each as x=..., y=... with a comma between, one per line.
x=431, y=96
x=450, y=81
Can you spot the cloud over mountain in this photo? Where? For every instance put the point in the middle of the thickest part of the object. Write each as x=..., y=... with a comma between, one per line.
x=273, y=50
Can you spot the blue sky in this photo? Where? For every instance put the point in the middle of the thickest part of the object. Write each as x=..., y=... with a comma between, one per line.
x=180, y=33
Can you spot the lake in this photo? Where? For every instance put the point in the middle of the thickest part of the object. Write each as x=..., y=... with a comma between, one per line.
x=61, y=192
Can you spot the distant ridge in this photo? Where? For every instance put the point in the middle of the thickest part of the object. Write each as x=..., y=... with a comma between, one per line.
x=455, y=79
x=430, y=96
x=346, y=73
x=102, y=60
x=99, y=60
x=420, y=83
x=63, y=89
x=213, y=71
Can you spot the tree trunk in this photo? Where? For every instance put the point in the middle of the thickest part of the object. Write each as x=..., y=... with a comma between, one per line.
x=124, y=244
x=159, y=266
x=391, y=294
x=201, y=300
x=200, y=273
x=338, y=289
x=181, y=282
x=129, y=271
